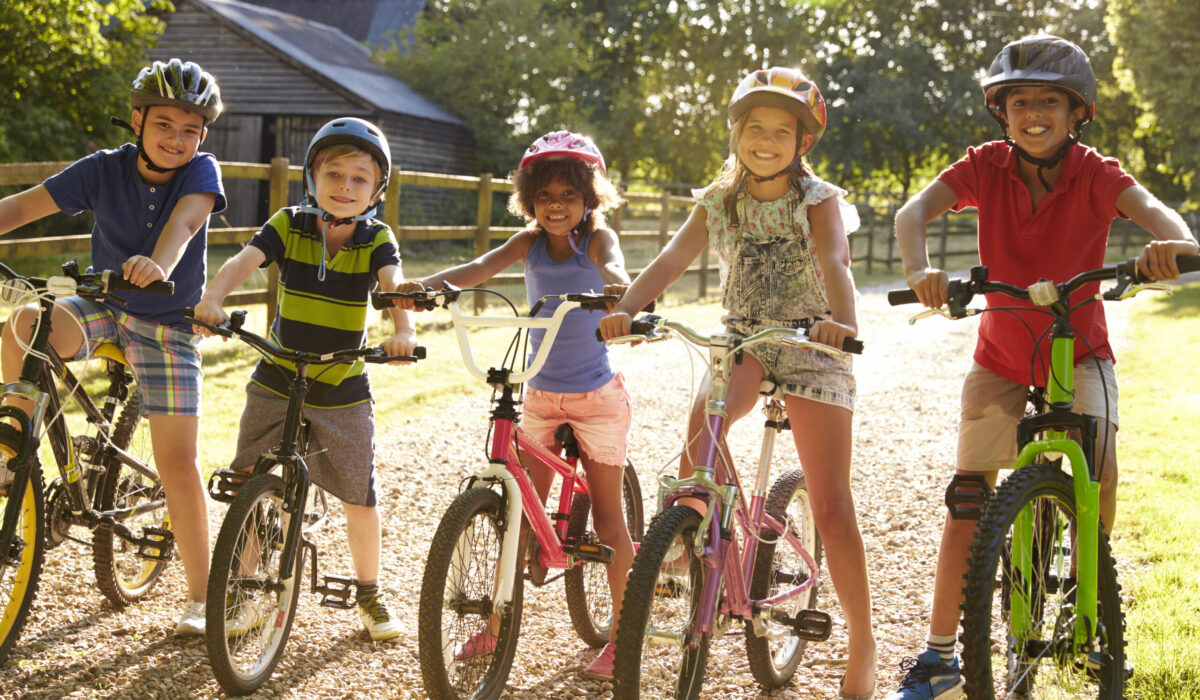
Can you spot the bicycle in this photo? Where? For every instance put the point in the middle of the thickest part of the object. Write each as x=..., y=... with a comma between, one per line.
x=1057, y=620
x=693, y=574
x=258, y=560
x=472, y=571
x=102, y=486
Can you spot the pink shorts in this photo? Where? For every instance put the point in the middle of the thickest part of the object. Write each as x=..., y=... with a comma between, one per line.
x=600, y=419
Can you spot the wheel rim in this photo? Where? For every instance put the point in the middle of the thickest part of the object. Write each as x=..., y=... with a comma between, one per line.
x=470, y=588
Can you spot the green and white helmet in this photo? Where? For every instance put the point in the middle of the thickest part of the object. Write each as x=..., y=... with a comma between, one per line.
x=177, y=83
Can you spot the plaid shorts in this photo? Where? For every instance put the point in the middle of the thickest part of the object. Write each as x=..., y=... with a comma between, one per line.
x=165, y=360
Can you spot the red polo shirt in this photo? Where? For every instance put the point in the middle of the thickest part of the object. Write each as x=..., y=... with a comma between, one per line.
x=1065, y=236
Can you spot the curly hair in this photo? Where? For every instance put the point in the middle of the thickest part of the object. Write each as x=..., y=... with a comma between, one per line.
x=599, y=194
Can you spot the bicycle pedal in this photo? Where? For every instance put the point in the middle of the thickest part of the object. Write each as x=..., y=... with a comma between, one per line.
x=668, y=588
x=593, y=552
x=813, y=625
x=156, y=543
x=224, y=484
x=337, y=592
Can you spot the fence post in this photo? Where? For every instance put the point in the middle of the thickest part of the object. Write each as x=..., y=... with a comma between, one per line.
x=483, y=223
x=391, y=207
x=945, y=235
x=664, y=221
x=618, y=217
x=277, y=199
x=870, y=237
x=891, y=239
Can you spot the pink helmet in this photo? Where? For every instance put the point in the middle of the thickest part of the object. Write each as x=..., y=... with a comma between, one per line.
x=785, y=88
x=564, y=144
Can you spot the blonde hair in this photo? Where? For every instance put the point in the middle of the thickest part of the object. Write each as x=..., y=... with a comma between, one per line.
x=599, y=194
x=733, y=177
x=342, y=150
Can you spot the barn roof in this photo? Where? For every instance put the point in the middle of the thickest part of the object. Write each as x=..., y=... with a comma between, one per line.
x=373, y=21
x=328, y=53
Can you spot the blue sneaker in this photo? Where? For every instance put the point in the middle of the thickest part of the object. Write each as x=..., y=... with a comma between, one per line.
x=929, y=678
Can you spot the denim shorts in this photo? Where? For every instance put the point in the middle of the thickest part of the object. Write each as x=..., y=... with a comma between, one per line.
x=808, y=374
x=164, y=359
x=599, y=418
x=992, y=405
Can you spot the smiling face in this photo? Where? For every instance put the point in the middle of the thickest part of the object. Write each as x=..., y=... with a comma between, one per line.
x=170, y=136
x=558, y=207
x=1039, y=118
x=769, y=140
x=345, y=185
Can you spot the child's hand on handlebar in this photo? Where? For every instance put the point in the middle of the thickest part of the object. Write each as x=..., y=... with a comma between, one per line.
x=209, y=311
x=617, y=290
x=931, y=286
x=615, y=325
x=831, y=333
x=141, y=271
x=406, y=304
x=401, y=344
x=1157, y=260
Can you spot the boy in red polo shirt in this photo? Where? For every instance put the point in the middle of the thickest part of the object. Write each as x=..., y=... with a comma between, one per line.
x=1045, y=204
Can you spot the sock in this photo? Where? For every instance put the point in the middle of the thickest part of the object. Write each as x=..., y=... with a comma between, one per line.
x=365, y=590
x=943, y=644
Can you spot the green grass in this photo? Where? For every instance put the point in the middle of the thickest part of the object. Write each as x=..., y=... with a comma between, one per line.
x=1158, y=519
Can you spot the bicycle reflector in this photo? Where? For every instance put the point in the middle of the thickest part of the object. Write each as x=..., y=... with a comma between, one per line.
x=1043, y=293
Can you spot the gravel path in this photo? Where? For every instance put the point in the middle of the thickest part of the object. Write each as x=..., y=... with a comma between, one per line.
x=78, y=645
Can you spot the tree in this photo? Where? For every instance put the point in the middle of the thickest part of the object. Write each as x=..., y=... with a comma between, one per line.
x=1156, y=61
x=65, y=68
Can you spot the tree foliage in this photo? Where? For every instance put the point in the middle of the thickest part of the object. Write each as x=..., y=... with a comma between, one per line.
x=65, y=68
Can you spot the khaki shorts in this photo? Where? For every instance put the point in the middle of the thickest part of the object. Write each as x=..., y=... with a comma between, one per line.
x=992, y=405
x=599, y=418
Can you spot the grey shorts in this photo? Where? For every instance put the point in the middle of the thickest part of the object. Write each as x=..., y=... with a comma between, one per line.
x=341, y=443
x=804, y=373
x=992, y=405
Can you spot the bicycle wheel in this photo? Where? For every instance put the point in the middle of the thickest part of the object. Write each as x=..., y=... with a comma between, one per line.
x=997, y=659
x=250, y=605
x=21, y=565
x=588, y=598
x=463, y=651
x=654, y=657
x=122, y=575
x=774, y=656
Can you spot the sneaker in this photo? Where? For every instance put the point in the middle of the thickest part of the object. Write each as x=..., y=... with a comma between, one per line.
x=480, y=644
x=377, y=619
x=601, y=668
x=929, y=678
x=241, y=617
x=191, y=622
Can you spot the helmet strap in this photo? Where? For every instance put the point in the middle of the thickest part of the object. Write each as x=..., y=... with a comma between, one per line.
x=1044, y=163
x=140, y=146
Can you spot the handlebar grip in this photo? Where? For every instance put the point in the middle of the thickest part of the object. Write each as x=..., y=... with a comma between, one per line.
x=853, y=345
x=418, y=354
x=379, y=302
x=1188, y=263
x=896, y=297
x=116, y=283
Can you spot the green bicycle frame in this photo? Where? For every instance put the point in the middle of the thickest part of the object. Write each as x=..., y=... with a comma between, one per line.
x=1060, y=389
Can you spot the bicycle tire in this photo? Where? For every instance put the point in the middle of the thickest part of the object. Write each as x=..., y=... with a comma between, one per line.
x=589, y=601
x=250, y=607
x=658, y=613
x=121, y=574
x=21, y=566
x=1042, y=665
x=774, y=658
x=455, y=605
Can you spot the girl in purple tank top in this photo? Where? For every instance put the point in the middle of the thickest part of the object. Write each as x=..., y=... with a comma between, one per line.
x=562, y=190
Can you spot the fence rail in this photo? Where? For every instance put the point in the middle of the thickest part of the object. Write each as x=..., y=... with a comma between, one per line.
x=951, y=238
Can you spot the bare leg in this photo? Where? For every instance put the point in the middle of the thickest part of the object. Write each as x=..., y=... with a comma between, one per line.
x=65, y=338
x=605, y=484
x=176, y=445
x=364, y=538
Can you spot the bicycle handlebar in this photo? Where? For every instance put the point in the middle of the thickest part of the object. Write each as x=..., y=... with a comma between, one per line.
x=961, y=291
x=93, y=285
x=650, y=328
x=233, y=328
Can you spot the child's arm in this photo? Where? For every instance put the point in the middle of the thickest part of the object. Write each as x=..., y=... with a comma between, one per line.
x=928, y=282
x=833, y=253
x=486, y=266
x=21, y=208
x=1157, y=259
x=229, y=277
x=605, y=251
x=666, y=267
x=404, y=337
x=190, y=213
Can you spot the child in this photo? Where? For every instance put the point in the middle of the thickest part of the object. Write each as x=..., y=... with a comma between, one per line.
x=562, y=190
x=784, y=261
x=1045, y=205
x=329, y=251
x=151, y=202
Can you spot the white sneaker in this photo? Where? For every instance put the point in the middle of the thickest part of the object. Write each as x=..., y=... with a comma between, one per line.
x=244, y=616
x=377, y=620
x=6, y=476
x=191, y=622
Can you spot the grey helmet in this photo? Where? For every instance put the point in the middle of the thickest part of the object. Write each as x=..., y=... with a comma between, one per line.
x=1041, y=59
x=179, y=84
x=357, y=132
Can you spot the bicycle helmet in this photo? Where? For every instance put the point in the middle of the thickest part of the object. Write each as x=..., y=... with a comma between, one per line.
x=1041, y=59
x=177, y=84
x=564, y=144
x=785, y=88
x=356, y=132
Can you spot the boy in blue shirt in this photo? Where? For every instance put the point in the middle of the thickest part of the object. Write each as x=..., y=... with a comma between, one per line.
x=151, y=202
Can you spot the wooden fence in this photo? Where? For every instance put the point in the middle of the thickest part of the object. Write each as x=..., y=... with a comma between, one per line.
x=951, y=239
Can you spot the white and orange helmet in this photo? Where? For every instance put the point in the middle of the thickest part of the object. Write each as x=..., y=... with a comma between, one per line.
x=785, y=88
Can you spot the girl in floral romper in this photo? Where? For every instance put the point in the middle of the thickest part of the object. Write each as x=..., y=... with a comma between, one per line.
x=780, y=234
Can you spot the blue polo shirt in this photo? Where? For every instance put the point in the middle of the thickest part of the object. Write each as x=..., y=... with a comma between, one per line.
x=130, y=215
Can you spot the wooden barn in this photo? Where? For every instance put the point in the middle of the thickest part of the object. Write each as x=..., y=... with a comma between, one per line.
x=282, y=76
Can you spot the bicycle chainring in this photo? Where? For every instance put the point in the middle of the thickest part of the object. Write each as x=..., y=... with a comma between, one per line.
x=58, y=514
